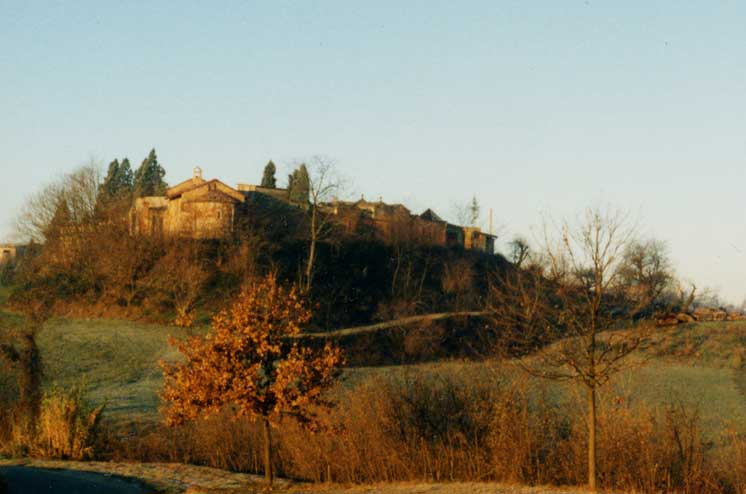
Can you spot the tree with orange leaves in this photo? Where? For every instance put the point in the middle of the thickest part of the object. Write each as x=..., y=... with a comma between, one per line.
x=252, y=363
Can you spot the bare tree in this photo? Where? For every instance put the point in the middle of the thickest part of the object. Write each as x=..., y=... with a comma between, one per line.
x=325, y=184
x=77, y=190
x=123, y=262
x=647, y=273
x=179, y=278
x=458, y=283
x=709, y=297
x=519, y=251
x=467, y=213
x=561, y=308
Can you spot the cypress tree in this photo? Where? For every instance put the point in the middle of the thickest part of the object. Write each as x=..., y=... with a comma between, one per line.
x=149, y=177
x=299, y=186
x=268, y=179
x=125, y=177
x=108, y=188
x=117, y=185
x=118, y=180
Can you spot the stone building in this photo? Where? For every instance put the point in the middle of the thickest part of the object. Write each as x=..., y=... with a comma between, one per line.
x=196, y=208
x=476, y=239
x=394, y=223
x=210, y=209
x=10, y=252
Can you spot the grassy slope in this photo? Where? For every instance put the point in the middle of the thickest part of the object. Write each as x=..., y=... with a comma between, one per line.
x=117, y=361
x=704, y=365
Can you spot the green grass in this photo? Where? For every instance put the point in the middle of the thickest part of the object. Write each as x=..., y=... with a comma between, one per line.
x=116, y=362
x=702, y=366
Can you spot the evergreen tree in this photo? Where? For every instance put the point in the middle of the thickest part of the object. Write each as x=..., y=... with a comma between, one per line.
x=299, y=186
x=303, y=184
x=107, y=188
x=118, y=181
x=126, y=177
x=268, y=179
x=149, y=177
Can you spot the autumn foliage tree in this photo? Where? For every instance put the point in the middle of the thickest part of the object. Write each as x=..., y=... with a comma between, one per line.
x=252, y=364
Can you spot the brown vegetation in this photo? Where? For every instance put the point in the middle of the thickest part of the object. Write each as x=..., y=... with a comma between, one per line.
x=63, y=428
x=250, y=365
x=433, y=426
x=88, y=261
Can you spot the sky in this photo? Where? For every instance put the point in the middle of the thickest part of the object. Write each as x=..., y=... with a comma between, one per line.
x=533, y=107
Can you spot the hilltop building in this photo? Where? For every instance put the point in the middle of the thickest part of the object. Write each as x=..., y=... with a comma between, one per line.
x=10, y=252
x=210, y=209
x=196, y=208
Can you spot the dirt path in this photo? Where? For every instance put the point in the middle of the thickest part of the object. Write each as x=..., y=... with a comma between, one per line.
x=422, y=488
x=176, y=478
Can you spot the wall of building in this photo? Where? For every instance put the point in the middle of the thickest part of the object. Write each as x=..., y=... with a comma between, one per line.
x=8, y=253
x=199, y=219
x=146, y=217
x=180, y=217
x=280, y=194
x=476, y=239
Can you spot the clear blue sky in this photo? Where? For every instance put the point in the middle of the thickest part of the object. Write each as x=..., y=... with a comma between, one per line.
x=532, y=106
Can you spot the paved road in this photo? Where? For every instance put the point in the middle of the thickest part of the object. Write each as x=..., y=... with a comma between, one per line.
x=25, y=480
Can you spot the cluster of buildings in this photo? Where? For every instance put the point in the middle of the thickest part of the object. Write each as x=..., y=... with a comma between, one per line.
x=209, y=209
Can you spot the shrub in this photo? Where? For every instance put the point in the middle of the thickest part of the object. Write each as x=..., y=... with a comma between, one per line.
x=67, y=426
x=7, y=273
x=731, y=463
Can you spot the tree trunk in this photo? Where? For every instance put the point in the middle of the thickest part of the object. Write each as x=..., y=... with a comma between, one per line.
x=30, y=381
x=268, y=474
x=592, y=438
x=311, y=252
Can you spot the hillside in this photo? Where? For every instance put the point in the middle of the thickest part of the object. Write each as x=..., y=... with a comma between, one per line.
x=118, y=363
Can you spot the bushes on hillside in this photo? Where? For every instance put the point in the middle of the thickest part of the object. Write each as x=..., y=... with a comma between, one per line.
x=114, y=274
x=87, y=261
x=8, y=273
